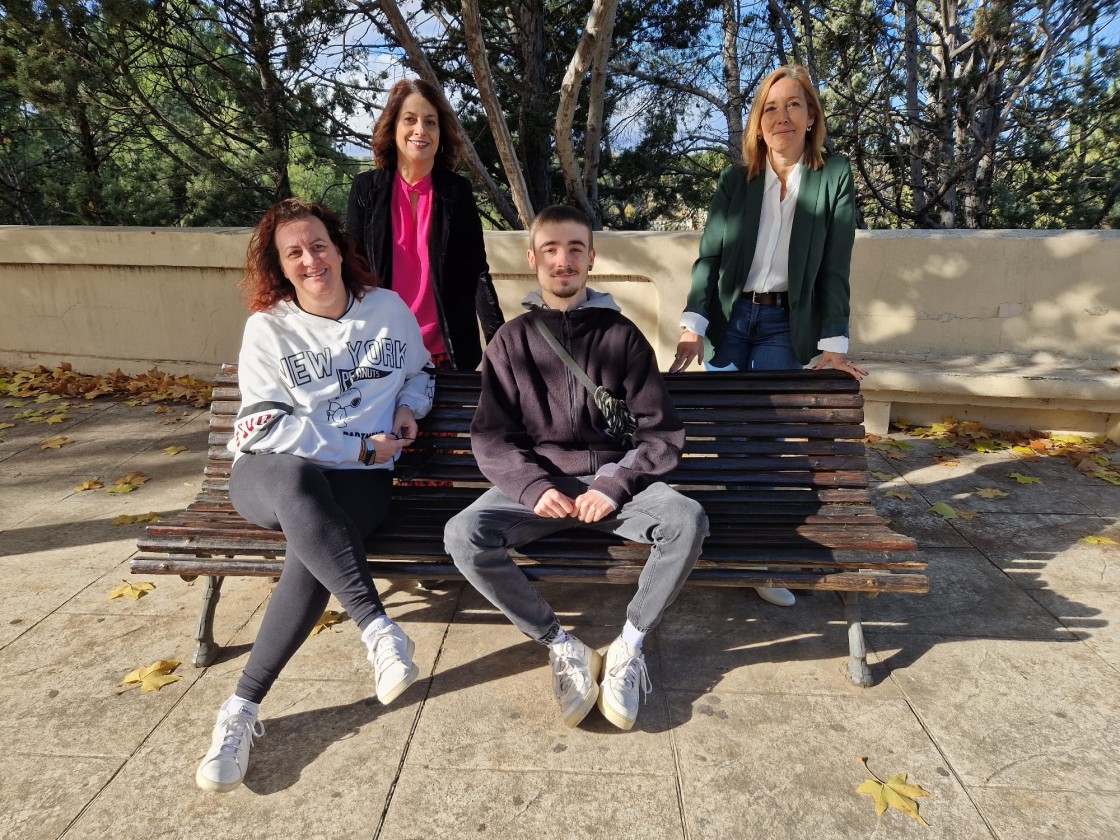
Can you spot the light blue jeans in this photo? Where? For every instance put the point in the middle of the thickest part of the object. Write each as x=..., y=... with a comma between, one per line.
x=757, y=338
x=479, y=540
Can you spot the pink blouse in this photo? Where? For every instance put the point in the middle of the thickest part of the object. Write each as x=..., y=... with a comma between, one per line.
x=412, y=276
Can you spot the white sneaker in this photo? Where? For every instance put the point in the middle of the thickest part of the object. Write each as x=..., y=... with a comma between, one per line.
x=390, y=652
x=776, y=595
x=224, y=766
x=623, y=674
x=575, y=672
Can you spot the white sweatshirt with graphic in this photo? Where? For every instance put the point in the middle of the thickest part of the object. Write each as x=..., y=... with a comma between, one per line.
x=314, y=386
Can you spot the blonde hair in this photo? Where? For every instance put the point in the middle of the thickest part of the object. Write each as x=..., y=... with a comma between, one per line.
x=754, y=147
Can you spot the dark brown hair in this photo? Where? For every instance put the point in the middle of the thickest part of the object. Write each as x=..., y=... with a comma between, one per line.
x=754, y=147
x=558, y=214
x=450, y=150
x=264, y=284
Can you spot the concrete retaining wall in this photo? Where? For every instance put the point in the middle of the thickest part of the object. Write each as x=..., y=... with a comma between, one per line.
x=927, y=305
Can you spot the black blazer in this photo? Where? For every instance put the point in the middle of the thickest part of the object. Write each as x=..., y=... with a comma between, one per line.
x=460, y=275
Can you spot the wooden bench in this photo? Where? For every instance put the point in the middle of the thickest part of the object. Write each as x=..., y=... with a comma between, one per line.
x=777, y=460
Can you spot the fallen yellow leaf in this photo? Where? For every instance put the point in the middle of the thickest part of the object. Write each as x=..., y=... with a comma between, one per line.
x=154, y=677
x=92, y=484
x=898, y=494
x=174, y=450
x=135, y=591
x=55, y=442
x=138, y=519
x=944, y=511
x=7, y=425
x=882, y=476
x=990, y=493
x=1024, y=479
x=58, y=418
x=329, y=619
x=895, y=793
x=1095, y=540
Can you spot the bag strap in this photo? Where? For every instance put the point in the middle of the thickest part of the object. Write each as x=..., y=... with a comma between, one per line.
x=565, y=357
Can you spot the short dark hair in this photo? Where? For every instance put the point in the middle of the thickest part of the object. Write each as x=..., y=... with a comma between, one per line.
x=559, y=213
x=264, y=284
x=384, y=146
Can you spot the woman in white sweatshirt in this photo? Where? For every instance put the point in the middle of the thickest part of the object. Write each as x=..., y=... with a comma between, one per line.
x=334, y=375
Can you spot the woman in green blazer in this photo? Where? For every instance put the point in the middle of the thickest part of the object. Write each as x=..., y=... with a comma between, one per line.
x=782, y=147
x=770, y=287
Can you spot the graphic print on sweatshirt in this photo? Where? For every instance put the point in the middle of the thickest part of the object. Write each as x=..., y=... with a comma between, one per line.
x=329, y=393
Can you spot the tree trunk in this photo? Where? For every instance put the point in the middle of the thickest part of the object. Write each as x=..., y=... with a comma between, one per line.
x=596, y=109
x=600, y=21
x=534, y=118
x=732, y=78
x=476, y=54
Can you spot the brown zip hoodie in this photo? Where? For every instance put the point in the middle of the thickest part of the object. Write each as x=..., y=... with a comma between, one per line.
x=536, y=421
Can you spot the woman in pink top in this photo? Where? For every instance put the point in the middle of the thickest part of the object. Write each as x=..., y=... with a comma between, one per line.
x=418, y=224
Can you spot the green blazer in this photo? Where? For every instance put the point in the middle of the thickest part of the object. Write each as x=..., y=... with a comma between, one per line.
x=820, y=253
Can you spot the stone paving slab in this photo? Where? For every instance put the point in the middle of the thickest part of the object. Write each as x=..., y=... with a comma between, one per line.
x=754, y=767
x=323, y=769
x=967, y=596
x=572, y=805
x=1048, y=815
x=1033, y=715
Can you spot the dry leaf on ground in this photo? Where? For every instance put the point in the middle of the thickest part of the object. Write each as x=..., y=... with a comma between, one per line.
x=944, y=511
x=174, y=450
x=92, y=484
x=898, y=494
x=1024, y=479
x=7, y=425
x=882, y=476
x=128, y=483
x=328, y=620
x=990, y=493
x=1095, y=540
x=152, y=678
x=138, y=519
x=55, y=442
x=134, y=591
x=895, y=793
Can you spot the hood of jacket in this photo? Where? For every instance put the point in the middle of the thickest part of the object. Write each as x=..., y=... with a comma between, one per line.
x=595, y=300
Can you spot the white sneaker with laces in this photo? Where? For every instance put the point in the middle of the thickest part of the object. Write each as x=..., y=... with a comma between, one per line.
x=390, y=653
x=575, y=672
x=224, y=766
x=623, y=674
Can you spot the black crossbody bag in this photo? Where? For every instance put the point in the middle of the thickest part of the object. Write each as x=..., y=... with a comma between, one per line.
x=621, y=424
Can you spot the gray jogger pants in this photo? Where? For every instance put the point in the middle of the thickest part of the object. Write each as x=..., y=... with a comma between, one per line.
x=479, y=540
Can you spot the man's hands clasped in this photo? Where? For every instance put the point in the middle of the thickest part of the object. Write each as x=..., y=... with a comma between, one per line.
x=587, y=507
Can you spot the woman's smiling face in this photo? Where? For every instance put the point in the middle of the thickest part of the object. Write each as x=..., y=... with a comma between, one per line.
x=786, y=119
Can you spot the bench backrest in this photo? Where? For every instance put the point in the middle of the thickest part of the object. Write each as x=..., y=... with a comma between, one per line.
x=766, y=437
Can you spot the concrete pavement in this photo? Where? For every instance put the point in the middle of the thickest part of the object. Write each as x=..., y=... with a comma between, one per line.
x=999, y=691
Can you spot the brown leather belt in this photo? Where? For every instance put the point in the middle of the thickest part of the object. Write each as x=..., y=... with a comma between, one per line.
x=770, y=298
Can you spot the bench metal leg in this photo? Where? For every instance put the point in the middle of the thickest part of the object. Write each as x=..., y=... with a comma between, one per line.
x=207, y=650
x=858, y=672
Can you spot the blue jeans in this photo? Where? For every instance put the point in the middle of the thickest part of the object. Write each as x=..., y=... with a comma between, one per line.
x=757, y=338
x=479, y=540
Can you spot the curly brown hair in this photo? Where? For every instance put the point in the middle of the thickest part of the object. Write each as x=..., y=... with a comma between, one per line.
x=384, y=145
x=264, y=284
x=754, y=147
